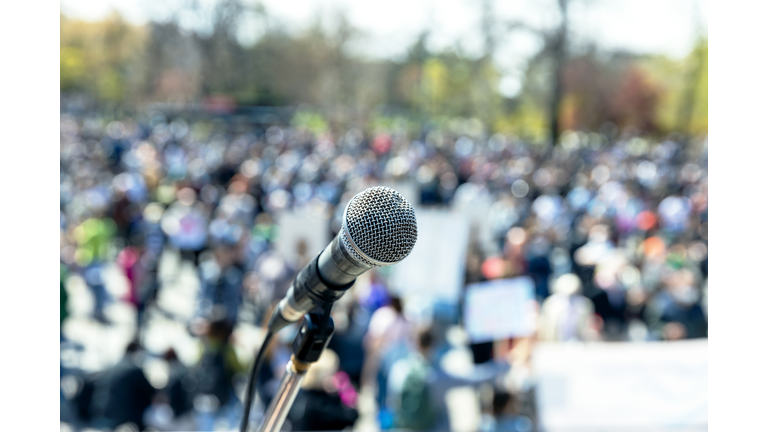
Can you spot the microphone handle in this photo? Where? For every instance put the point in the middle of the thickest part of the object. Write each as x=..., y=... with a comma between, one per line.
x=322, y=281
x=308, y=291
x=337, y=266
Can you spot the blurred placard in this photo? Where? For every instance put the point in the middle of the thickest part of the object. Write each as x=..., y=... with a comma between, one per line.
x=435, y=267
x=649, y=386
x=500, y=309
x=301, y=230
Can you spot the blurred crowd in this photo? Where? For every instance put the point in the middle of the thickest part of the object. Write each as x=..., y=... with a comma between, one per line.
x=610, y=225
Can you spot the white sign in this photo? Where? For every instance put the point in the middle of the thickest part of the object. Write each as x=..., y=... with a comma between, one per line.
x=500, y=309
x=301, y=230
x=435, y=267
x=648, y=386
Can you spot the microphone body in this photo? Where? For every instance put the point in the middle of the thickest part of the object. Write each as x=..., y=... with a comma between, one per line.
x=321, y=282
x=378, y=229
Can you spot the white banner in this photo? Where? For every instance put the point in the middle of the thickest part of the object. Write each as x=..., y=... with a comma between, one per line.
x=500, y=309
x=435, y=267
x=635, y=386
x=301, y=227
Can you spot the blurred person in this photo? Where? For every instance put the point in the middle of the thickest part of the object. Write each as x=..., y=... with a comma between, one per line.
x=674, y=213
x=373, y=295
x=93, y=237
x=149, y=229
x=654, y=255
x=264, y=227
x=124, y=212
x=263, y=233
x=597, y=247
x=474, y=264
x=505, y=415
x=63, y=297
x=385, y=342
x=318, y=405
x=417, y=386
x=566, y=315
x=227, y=170
x=539, y=266
x=213, y=386
x=81, y=401
x=186, y=224
x=171, y=409
x=275, y=276
x=160, y=416
x=608, y=301
x=179, y=398
x=302, y=254
x=496, y=268
x=613, y=297
x=520, y=381
x=123, y=393
x=238, y=205
x=348, y=337
x=254, y=305
x=221, y=282
x=675, y=312
x=515, y=245
x=129, y=261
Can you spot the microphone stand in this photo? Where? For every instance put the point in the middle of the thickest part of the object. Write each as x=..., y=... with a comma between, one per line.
x=313, y=337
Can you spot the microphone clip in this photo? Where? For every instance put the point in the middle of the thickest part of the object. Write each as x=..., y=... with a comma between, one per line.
x=313, y=337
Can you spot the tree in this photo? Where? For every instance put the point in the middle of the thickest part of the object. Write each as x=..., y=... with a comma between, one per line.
x=691, y=107
x=556, y=43
x=100, y=57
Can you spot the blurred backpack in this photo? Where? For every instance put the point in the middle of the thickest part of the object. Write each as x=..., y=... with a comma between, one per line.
x=415, y=408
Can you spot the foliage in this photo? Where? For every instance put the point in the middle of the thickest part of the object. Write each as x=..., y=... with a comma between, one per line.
x=99, y=57
x=684, y=82
x=117, y=62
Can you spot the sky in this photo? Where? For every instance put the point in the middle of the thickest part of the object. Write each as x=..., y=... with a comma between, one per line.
x=388, y=28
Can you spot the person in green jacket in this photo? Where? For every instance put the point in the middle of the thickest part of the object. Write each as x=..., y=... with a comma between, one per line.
x=93, y=237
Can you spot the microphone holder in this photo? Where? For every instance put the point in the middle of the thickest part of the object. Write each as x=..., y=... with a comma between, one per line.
x=312, y=339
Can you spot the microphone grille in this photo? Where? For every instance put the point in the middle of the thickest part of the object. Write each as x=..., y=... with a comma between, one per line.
x=381, y=224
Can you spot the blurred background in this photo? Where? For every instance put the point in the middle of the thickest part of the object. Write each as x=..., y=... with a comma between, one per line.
x=555, y=152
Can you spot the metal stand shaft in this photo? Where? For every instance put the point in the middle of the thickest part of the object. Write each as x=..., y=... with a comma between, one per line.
x=295, y=371
x=310, y=342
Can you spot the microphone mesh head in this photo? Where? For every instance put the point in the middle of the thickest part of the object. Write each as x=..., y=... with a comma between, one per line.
x=381, y=224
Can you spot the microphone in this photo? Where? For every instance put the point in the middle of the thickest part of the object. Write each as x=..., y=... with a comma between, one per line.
x=378, y=229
